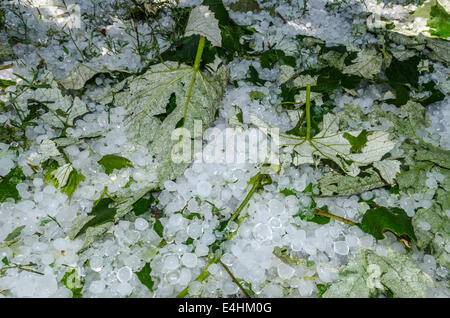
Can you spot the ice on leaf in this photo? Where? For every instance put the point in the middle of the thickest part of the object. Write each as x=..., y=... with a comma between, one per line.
x=202, y=21
x=367, y=64
x=331, y=144
x=388, y=169
x=369, y=272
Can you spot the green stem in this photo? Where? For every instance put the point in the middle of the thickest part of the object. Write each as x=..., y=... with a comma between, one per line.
x=235, y=280
x=332, y=216
x=258, y=181
x=308, y=113
x=198, y=58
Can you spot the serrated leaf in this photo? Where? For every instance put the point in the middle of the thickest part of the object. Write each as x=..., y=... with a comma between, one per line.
x=111, y=162
x=388, y=169
x=381, y=219
x=367, y=64
x=144, y=276
x=336, y=184
x=370, y=271
x=102, y=213
x=202, y=21
x=8, y=184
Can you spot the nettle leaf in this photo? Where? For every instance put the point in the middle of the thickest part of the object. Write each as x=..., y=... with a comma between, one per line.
x=332, y=184
x=370, y=272
x=144, y=276
x=203, y=22
x=367, y=64
x=439, y=21
x=8, y=184
x=381, y=219
x=61, y=110
x=111, y=162
x=330, y=144
x=72, y=281
x=102, y=213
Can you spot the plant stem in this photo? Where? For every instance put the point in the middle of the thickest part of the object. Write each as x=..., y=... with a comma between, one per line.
x=198, y=58
x=257, y=181
x=235, y=280
x=332, y=216
x=308, y=113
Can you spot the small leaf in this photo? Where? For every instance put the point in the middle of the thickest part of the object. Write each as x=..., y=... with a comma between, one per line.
x=75, y=178
x=321, y=289
x=287, y=192
x=111, y=162
x=379, y=220
x=101, y=214
x=15, y=233
x=144, y=276
x=142, y=205
x=158, y=227
x=8, y=184
x=254, y=76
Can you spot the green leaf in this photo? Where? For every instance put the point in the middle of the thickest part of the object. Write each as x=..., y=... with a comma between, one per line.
x=256, y=95
x=74, y=180
x=71, y=280
x=357, y=142
x=288, y=258
x=287, y=192
x=6, y=83
x=101, y=213
x=142, y=205
x=111, y=162
x=321, y=289
x=381, y=219
x=144, y=276
x=404, y=72
x=159, y=228
x=254, y=76
x=269, y=58
x=5, y=260
x=245, y=6
x=367, y=64
x=439, y=21
x=15, y=233
x=8, y=184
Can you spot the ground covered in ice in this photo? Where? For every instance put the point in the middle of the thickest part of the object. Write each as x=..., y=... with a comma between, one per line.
x=350, y=200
